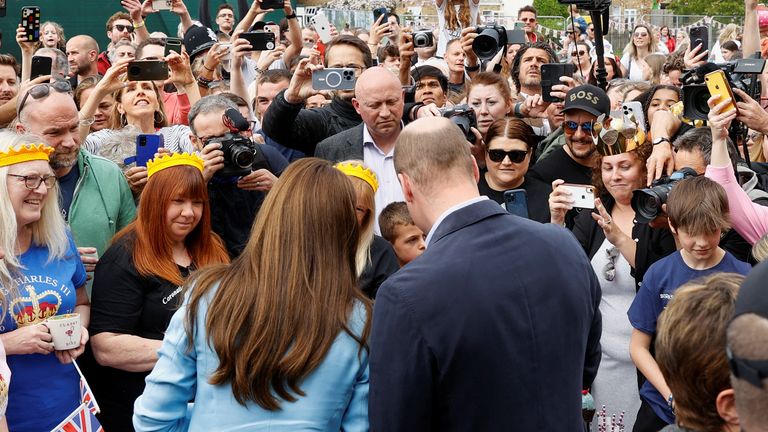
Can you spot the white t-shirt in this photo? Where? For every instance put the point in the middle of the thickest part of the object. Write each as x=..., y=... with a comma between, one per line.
x=447, y=35
x=5, y=381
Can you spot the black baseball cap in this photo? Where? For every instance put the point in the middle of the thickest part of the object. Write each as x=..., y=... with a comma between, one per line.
x=587, y=98
x=753, y=299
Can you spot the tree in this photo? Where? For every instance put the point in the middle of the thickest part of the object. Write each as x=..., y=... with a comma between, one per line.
x=707, y=7
x=550, y=8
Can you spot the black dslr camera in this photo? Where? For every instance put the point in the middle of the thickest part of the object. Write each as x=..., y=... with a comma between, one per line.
x=490, y=39
x=241, y=155
x=741, y=74
x=647, y=202
x=464, y=117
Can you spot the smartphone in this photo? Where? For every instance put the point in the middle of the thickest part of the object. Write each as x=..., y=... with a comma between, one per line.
x=172, y=44
x=700, y=35
x=516, y=36
x=41, y=65
x=30, y=20
x=635, y=108
x=550, y=76
x=334, y=79
x=516, y=202
x=322, y=27
x=379, y=12
x=272, y=4
x=146, y=147
x=519, y=25
x=583, y=195
x=718, y=85
x=147, y=70
x=161, y=4
x=260, y=40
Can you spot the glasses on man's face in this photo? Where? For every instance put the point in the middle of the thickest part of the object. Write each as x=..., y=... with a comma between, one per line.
x=34, y=181
x=570, y=127
x=515, y=156
x=357, y=68
x=42, y=91
x=528, y=20
x=123, y=27
x=578, y=53
x=225, y=15
x=609, y=271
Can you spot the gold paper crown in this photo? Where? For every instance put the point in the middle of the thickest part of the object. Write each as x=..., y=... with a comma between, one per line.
x=357, y=170
x=25, y=153
x=623, y=134
x=176, y=159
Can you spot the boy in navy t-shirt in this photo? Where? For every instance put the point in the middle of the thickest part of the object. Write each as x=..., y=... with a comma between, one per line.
x=697, y=209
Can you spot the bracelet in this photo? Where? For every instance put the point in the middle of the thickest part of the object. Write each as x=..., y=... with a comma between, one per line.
x=139, y=25
x=291, y=16
x=474, y=68
x=203, y=81
x=670, y=401
x=259, y=71
x=518, y=110
x=207, y=68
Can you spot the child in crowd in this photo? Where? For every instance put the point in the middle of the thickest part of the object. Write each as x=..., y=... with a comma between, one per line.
x=697, y=209
x=398, y=228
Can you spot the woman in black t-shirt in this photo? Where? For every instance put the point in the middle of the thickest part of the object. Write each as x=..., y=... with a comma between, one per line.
x=137, y=283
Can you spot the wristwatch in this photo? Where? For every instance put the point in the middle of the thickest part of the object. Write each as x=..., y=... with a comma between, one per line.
x=661, y=140
x=291, y=16
x=474, y=68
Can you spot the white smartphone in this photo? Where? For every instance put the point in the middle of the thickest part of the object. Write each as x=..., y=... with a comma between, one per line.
x=322, y=27
x=583, y=195
x=161, y=4
x=636, y=108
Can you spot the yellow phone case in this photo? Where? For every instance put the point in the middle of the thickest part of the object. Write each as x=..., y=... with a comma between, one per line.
x=718, y=85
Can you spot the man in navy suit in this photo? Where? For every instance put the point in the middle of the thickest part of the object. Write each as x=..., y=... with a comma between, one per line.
x=496, y=326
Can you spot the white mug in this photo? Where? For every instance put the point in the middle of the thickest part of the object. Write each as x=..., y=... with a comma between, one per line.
x=65, y=330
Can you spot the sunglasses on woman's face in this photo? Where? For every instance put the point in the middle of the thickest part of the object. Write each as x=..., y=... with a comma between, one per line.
x=515, y=156
x=641, y=34
x=579, y=53
x=570, y=127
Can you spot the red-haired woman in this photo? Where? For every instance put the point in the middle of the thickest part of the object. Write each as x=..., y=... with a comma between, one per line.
x=137, y=283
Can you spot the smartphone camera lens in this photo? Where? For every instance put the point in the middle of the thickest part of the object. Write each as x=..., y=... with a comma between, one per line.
x=333, y=79
x=134, y=70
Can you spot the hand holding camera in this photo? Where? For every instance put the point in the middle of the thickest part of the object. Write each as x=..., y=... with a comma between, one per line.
x=750, y=112
x=379, y=30
x=180, y=69
x=695, y=56
x=300, y=87
x=720, y=117
x=27, y=46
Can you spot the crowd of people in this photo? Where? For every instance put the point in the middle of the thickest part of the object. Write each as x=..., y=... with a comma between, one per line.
x=449, y=243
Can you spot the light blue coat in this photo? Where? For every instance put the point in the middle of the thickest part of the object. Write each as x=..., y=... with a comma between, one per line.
x=336, y=392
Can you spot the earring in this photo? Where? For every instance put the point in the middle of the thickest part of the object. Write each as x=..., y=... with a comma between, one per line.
x=159, y=117
x=123, y=120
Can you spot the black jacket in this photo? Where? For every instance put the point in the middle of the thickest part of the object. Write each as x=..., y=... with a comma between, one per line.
x=652, y=244
x=383, y=264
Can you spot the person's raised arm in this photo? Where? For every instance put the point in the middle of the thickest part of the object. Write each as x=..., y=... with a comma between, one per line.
x=240, y=49
x=27, y=51
x=106, y=86
x=750, y=42
x=406, y=54
x=181, y=76
x=664, y=125
x=179, y=8
x=378, y=30
x=472, y=63
x=255, y=13
x=294, y=35
x=135, y=9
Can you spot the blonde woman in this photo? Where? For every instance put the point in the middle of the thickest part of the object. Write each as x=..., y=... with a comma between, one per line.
x=376, y=260
x=731, y=32
x=48, y=279
x=642, y=44
x=452, y=17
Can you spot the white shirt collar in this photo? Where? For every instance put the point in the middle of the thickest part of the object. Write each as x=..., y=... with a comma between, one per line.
x=448, y=212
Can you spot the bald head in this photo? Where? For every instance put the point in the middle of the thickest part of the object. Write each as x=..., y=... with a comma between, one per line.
x=434, y=151
x=82, y=52
x=379, y=101
x=376, y=79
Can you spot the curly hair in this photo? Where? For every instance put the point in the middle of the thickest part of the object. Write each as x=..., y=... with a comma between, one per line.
x=641, y=153
x=526, y=46
x=454, y=21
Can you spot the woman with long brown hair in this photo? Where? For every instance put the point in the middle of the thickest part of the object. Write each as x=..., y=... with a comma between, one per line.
x=278, y=339
x=452, y=17
x=137, y=283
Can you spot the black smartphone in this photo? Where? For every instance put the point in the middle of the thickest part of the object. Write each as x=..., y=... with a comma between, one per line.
x=260, y=40
x=516, y=37
x=334, y=79
x=41, y=65
x=516, y=202
x=172, y=44
x=147, y=70
x=379, y=12
x=550, y=76
x=700, y=35
x=30, y=20
x=272, y=4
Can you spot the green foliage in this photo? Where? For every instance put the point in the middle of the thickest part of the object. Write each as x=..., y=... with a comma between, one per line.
x=550, y=8
x=707, y=7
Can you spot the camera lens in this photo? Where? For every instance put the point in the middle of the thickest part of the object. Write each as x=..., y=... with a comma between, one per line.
x=134, y=70
x=333, y=79
x=695, y=98
x=242, y=157
x=486, y=44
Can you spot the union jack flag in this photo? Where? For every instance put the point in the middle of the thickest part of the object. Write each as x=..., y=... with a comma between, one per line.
x=81, y=420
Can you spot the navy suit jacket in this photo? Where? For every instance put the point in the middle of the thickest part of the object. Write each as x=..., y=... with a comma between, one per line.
x=496, y=327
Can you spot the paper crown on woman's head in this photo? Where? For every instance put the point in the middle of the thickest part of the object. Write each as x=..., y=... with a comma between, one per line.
x=177, y=159
x=622, y=134
x=356, y=170
x=25, y=153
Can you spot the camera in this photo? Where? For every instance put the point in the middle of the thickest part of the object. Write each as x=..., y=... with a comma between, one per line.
x=239, y=154
x=647, y=202
x=490, y=39
x=464, y=117
x=741, y=74
x=423, y=39
x=334, y=79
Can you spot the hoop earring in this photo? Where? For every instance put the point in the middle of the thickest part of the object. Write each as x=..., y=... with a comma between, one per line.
x=159, y=117
x=123, y=120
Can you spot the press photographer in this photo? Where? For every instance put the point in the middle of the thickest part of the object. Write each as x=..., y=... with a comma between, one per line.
x=239, y=171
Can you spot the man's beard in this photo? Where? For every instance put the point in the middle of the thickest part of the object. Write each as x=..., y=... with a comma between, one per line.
x=62, y=160
x=530, y=81
x=582, y=155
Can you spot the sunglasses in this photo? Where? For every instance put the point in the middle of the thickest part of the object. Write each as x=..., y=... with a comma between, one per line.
x=527, y=19
x=609, y=270
x=641, y=34
x=570, y=127
x=515, y=156
x=124, y=27
x=33, y=182
x=42, y=91
x=579, y=53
